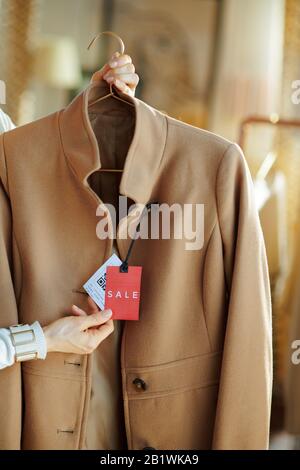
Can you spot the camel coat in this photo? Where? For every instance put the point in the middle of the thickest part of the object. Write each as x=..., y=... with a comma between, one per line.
x=202, y=345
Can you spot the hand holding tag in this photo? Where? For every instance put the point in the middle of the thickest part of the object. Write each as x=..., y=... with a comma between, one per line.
x=117, y=286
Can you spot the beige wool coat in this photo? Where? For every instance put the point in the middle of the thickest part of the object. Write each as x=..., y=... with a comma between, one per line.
x=203, y=341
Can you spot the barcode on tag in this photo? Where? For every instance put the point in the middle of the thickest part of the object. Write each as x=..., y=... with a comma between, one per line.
x=96, y=284
x=102, y=281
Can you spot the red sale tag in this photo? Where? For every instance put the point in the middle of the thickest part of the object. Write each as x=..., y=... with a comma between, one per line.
x=122, y=292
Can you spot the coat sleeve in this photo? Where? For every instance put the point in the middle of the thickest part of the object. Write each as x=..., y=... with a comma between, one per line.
x=244, y=399
x=10, y=378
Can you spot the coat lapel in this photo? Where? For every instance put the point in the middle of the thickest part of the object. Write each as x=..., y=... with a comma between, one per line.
x=143, y=158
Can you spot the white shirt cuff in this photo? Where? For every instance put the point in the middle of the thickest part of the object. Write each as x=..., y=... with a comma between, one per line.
x=40, y=340
x=7, y=350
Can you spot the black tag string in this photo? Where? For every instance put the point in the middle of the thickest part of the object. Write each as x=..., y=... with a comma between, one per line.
x=147, y=209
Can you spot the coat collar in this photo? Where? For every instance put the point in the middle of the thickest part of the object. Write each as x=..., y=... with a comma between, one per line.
x=144, y=154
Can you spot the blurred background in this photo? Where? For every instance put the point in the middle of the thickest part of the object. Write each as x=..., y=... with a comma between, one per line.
x=230, y=66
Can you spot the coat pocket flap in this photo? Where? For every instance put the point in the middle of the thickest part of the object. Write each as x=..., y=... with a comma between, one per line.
x=194, y=372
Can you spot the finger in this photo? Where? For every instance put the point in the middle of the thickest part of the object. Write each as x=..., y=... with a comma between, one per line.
x=130, y=90
x=78, y=311
x=128, y=79
x=113, y=59
x=107, y=66
x=122, y=87
x=93, y=307
x=120, y=61
x=101, y=333
x=95, y=319
x=116, y=61
x=128, y=68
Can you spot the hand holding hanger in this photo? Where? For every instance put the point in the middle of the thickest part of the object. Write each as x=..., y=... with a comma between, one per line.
x=119, y=71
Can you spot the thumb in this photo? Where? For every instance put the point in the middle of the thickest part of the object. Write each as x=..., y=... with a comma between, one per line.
x=100, y=73
x=96, y=319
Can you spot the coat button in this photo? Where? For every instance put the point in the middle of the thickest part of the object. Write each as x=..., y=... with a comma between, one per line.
x=139, y=383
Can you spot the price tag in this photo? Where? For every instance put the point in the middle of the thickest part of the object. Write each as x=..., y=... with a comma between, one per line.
x=122, y=293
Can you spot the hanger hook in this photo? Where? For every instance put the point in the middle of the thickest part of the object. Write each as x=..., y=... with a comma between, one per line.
x=110, y=33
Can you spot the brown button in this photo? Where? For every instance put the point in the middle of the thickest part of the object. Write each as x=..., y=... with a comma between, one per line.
x=139, y=383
